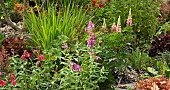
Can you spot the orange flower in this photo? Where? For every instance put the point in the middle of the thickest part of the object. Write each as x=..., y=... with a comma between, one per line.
x=160, y=19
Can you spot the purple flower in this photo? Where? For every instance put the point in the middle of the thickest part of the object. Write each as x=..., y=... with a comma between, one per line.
x=65, y=46
x=91, y=41
x=97, y=57
x=75, y=67
x=90, y=27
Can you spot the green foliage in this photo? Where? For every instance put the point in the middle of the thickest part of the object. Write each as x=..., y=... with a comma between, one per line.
x=139, y=60
x=144, y=15
x=1, y=38
x=29, y=75
x=91, y=72
x=9, y=5
x=47, y=25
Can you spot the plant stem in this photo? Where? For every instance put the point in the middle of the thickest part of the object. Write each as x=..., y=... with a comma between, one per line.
x=7, y=18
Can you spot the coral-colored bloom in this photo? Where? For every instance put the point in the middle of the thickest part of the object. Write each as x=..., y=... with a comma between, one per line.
x=27, y=54
x=94, y=2
x=41, y=57
x=22, y=57
x=2, y=82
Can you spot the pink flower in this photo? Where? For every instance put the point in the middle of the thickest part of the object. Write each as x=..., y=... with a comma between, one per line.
x=91, y=41
x=113, y=28
x=90, y=53
x=41, y=57
x=2, y=82
x=90, y=27
x=0, y=74
x=36, y=51
x=129, y=19
x=27, y=54
x=97, y=57
x=12, y=77
x=22, y=57
x=65, y=46
x=13, y=82
x=75, y=67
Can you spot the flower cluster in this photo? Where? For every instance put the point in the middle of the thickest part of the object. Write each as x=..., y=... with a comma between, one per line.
x=65, y=46
x=25, y=55
x=117, y=27
x=101, y=4
x=2, y=82
x=91, y=41
x=12, y=79
x=75, y=67
x=90, y=27
x=129, y=19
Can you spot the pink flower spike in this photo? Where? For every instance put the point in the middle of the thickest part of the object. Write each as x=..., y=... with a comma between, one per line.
x=27, y=54
x=2, y=82
x=22, y=57
x=41, y=57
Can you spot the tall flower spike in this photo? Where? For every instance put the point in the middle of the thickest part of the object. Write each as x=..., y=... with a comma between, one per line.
x=90, y=27
x=129, y=19
x=91, y=41
x=104, y=26
x=118, y=28
x=113, y=28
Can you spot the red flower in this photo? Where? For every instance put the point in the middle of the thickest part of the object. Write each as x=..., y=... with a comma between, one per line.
x=41, y=57
x=23, y=57
x=13, y=82
x=101, y=5
x=94, y=2
x=12, y=77
x=2, y=82
x=27, y=54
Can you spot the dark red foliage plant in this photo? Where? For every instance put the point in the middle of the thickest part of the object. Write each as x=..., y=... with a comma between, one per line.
x=161, y=44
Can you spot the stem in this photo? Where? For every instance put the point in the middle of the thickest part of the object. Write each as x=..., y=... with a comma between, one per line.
x=7, y=18
x=42, y=5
